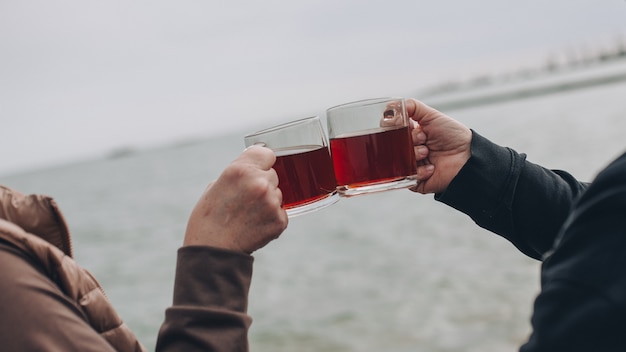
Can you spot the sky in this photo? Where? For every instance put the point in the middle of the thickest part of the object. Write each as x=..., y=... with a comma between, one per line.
x=79, y=78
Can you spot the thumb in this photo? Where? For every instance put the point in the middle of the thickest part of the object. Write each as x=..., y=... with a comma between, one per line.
x=418, y=111
x=257, y=155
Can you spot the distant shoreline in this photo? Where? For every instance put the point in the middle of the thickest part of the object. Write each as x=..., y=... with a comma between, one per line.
x=588, y=69
x=525, y=93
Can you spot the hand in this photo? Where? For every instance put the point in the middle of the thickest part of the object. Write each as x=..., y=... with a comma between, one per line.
x=442, y=146
x=241, y=210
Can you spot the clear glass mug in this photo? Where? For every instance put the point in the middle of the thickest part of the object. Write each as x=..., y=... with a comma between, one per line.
x=303, y=164
x=371, y=146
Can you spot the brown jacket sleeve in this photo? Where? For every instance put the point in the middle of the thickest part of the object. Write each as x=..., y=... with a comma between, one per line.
x=210, y=302
x=35, y=314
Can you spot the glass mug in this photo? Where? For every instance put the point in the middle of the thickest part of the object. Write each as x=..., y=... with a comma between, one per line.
x=371, y=146
x=303, y=164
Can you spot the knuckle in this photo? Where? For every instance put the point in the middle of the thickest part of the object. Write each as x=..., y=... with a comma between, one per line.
x=257, y=189
x=235, y=170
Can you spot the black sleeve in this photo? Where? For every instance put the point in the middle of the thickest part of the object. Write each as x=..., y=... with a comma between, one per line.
x=582, y=304
x=508, y=195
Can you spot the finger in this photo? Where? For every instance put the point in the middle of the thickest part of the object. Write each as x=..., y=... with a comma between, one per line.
x=284, y=221
x=273, y=177
x=418, y=110
x=419, y=188
x=421, y=152
x=424, y=172
x=411, y=106
x=279, y=196
x=418, y=136
x=258, y=155
x=392, y=116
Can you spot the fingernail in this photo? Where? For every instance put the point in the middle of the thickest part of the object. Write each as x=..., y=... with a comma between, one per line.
x=257, y=144
x=425, y=171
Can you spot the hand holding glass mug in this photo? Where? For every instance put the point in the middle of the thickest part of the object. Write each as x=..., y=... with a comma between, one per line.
x=371, y=150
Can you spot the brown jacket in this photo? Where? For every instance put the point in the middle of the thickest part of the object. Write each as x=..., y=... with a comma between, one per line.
x=34, y=226
x=49, y=303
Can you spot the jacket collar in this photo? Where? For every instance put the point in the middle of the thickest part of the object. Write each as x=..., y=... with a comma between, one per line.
x=38, y=215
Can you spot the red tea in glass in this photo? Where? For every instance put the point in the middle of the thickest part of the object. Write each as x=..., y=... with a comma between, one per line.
x=303, y=164
x=305, y=175
x=379, y=156
x=371, y=146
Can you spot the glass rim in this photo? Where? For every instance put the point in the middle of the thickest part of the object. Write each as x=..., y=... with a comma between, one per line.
x=363, y=102
x=281, y=126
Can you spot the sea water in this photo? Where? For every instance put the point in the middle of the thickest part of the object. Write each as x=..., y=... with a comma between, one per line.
x=395, y=271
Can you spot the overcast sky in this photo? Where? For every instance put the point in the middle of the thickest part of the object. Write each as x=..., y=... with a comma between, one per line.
x=80, y=77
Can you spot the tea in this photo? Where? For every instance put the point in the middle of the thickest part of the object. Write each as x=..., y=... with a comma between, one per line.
x=305, y=174
x=382, y=155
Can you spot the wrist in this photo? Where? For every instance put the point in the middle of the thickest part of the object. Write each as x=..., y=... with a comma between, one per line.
x=209, y=238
